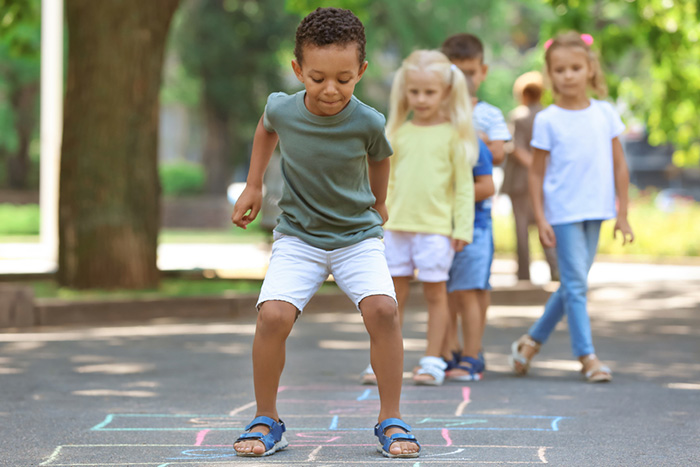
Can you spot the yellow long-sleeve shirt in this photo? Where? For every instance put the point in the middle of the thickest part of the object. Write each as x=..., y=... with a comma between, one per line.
x=431, y=187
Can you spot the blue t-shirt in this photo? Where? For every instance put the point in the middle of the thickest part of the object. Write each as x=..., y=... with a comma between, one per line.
x=484, y=166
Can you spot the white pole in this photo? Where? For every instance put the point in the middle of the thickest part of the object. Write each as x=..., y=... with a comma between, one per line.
x=51, y=123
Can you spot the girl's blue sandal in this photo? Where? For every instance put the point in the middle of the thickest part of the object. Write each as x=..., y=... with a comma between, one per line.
x=385, y=441
x=274, y=441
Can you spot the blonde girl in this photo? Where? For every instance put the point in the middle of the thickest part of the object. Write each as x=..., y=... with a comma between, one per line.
x=431, y=191
x=578, y=168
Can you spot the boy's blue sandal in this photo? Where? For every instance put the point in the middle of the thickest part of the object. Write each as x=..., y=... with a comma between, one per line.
x=274, y=441
x=452, y=363
x=473, y=367
x=385, y=441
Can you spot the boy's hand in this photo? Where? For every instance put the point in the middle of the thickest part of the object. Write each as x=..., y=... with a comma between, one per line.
x=250, y=200
x=624, y=228
x=458, y=245
x=382, y=210
x=547, y=237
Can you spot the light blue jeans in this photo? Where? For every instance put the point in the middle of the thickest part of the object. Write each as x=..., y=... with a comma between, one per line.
x=576, y=247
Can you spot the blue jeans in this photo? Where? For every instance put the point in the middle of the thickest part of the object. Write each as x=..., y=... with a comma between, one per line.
x=576, y=248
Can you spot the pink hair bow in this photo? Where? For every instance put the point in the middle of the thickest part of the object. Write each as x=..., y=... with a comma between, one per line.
x=586, y=38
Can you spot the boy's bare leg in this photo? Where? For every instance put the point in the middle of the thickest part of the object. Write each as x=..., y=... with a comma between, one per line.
x=484, y=297
x=451, y=343
x=438, y=318
x=275, y=322
x=402, y=285
x=381, y=318
x=466, y=303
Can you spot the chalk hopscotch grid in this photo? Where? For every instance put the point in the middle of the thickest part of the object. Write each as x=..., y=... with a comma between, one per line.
x=458, y=422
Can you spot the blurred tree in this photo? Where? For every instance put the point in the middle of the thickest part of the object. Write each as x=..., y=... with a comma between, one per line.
x=109, y=190
x=652, y=48
x=19, y=86
x=232, y=46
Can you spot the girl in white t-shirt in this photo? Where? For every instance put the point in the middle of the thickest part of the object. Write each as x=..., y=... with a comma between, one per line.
x=578, y=167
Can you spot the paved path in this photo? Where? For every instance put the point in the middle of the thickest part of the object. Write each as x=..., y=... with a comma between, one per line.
x=175, y=393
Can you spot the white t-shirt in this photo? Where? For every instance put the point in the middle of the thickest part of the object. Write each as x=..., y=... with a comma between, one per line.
x=579, y=180
x=489, y=119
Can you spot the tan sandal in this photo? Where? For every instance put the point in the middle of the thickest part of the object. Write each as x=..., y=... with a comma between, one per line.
x=519, y=363
x=594, y=370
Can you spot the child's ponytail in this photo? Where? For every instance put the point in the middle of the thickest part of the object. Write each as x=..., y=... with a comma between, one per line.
x=459, y=104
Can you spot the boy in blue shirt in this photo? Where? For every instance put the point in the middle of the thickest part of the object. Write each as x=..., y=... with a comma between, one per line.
x=468, y=287
x=335, y=170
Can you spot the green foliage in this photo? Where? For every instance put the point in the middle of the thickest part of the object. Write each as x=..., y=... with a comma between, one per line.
x=20, y=24
x=181, y=178
x=228, y=52
x=652, y=45
x=22, y=219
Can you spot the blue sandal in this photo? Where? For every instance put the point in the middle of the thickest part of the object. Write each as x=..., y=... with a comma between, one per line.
x=385, y=441
x=274, y=441
x=473, y=366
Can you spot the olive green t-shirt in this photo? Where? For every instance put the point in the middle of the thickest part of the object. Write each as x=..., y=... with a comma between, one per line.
x=326, y=199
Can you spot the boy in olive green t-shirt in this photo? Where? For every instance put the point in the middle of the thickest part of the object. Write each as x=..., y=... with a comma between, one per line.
x=335, y=171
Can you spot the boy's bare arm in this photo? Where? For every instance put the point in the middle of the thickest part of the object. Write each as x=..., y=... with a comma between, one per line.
x=497, y=147
x=497, y=150
x=483, y=187
x=378, y=182
x=622, y=180
x=249, y=203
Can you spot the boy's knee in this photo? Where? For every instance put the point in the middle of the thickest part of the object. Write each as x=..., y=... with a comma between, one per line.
x=379, y=307
x=276, y=316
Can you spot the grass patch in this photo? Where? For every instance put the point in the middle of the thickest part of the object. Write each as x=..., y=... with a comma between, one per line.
x=169, y=288
x=658, y=234
x=19, y=219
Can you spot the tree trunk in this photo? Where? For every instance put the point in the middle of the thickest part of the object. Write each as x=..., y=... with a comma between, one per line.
x=109, y=189
x=217, y=150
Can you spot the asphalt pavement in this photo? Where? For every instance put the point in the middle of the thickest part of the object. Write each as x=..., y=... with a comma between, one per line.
x=177, y=393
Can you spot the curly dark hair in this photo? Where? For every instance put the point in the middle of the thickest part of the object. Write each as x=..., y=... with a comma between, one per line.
x=327, y=26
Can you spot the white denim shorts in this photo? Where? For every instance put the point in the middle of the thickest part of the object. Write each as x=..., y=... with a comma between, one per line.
x=297, y=270
x=430, y=254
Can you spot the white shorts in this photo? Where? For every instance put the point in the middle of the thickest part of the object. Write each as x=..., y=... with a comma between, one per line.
x=430, y=254
x=297, y=270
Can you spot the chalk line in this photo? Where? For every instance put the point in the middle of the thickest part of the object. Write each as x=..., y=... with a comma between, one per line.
x=555, y=422
x=312, y=455
x=242, y=408
x=446, y=453
x=200, y=437
x=465, y=401
x=108, y=419
x=334, y=423
x=365, y=395
x=446, y=436
x=54, y=456
x=540, y=453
